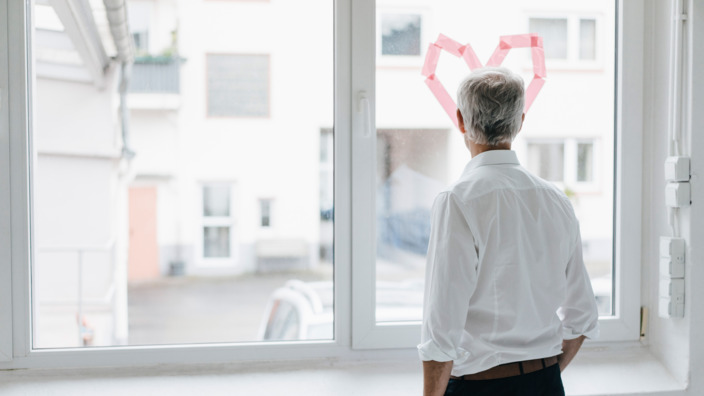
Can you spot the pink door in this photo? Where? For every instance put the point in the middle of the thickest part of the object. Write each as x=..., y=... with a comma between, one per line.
x=143, y=251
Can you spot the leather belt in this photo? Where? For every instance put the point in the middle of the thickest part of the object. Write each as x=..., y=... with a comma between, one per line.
x=510, y=369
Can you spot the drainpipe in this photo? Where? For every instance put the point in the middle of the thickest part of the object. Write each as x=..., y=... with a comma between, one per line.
x=116, y=11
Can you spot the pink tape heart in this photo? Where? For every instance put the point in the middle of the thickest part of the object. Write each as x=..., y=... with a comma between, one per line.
x=506, y=43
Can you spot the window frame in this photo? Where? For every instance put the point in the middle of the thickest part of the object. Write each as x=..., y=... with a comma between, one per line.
x=229, y=221
x=208, y=116
x=354, y=159
x=573, y=60
x=570, y=159
x=403, y=61
x=624, y=325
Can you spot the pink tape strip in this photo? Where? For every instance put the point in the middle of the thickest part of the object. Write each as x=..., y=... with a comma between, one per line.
x=506, y=43
x=431, y=60
x=498, y=56
x=538, y=56
x=450, y=45
x=443, y=97
x=470, y=58
x=519, y=40
x=532, y=91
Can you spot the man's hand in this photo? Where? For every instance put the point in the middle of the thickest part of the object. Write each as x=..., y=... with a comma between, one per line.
x=569, y=350
x=436, y=375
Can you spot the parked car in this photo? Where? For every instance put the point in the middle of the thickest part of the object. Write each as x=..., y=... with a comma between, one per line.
x=304, y=310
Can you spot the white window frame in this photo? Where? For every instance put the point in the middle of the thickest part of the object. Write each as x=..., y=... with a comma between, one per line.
x=570, y=159
x=404, y=61
x=355, y=327
x=270, y=214
x=572, y=61
x=217, y=221
x=625, y=324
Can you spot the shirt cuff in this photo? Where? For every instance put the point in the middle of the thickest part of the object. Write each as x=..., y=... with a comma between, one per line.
x=592, y=334
x=430, y=351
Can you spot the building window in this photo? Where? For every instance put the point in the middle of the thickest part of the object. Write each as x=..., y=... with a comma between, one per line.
x=568, y=161
x=547, y=160
x=217, y=221
x=554, y=33
x=265, y=213
x=400, y=34
x=569, y=38
x=141, y=41
x=587, y=39
x=585, y=162
x=238, y=85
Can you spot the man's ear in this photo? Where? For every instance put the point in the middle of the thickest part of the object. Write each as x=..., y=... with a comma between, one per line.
x=460, y=121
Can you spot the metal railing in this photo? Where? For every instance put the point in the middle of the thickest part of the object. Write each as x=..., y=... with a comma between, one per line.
x=107, y=299
x=156, y=75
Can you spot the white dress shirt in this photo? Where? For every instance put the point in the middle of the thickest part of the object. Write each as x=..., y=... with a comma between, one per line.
x=505, y=280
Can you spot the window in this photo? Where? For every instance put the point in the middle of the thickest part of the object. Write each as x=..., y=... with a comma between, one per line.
x=400, y=34
x=217, y=222
x=587, y=39
x=585, y=162
x=554, y=33
x=547, y=160
x=571, y=39
x=139, y=15
x=238, y=85
x=265, y=213
x=259, y=108
x=569, y=162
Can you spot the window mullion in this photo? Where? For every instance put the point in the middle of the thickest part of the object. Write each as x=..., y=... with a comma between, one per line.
x=363, y=168
x=5, y=210
x=19, y=94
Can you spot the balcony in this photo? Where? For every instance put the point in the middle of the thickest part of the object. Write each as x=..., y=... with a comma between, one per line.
x=155, y=83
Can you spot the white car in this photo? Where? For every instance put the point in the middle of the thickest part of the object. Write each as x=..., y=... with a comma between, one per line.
x=304, y=310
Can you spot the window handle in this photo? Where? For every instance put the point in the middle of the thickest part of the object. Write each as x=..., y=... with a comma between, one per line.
x=365, y=109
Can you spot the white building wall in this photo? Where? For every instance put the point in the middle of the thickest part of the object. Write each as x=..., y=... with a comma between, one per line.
x=76, y=196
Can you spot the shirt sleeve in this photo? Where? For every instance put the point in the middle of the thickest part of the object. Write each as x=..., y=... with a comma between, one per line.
x=579, y=313
x=450, y=281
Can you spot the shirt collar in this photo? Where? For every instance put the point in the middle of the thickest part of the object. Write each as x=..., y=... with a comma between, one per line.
x=493, y=157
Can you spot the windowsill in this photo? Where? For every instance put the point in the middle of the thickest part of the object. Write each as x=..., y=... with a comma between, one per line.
x=596, y=371
x=632, y=370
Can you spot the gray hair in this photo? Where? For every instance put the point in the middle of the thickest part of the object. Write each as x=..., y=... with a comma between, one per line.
x=491, y=101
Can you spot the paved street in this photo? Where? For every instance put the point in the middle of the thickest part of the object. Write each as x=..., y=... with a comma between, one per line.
x=201, y=310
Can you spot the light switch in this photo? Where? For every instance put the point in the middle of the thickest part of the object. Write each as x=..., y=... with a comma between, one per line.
x=670, y=309
x=672, y=247
x=672, y=289
x=671, y=268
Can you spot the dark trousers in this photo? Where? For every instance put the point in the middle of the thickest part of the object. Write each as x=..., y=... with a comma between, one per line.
x=545, y=382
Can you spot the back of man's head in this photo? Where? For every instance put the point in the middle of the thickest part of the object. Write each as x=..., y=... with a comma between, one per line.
x=491, y=101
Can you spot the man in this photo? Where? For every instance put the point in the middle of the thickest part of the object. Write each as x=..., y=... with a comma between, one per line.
x=508, y=301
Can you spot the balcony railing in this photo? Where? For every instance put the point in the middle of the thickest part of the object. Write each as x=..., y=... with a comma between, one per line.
x=158, y=74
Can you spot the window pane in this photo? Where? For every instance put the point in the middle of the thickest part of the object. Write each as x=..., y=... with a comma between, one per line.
x=238, y=85
x=265, y=209
x=554, y=33
x=585, y=164
x=163, y=232
x=587, y=39
x=420, y=151
x=547, y=160
x=400, y=34
x=216, y=201
x=216, y=241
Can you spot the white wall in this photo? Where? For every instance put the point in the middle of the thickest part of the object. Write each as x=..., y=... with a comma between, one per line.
x=676, y=342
